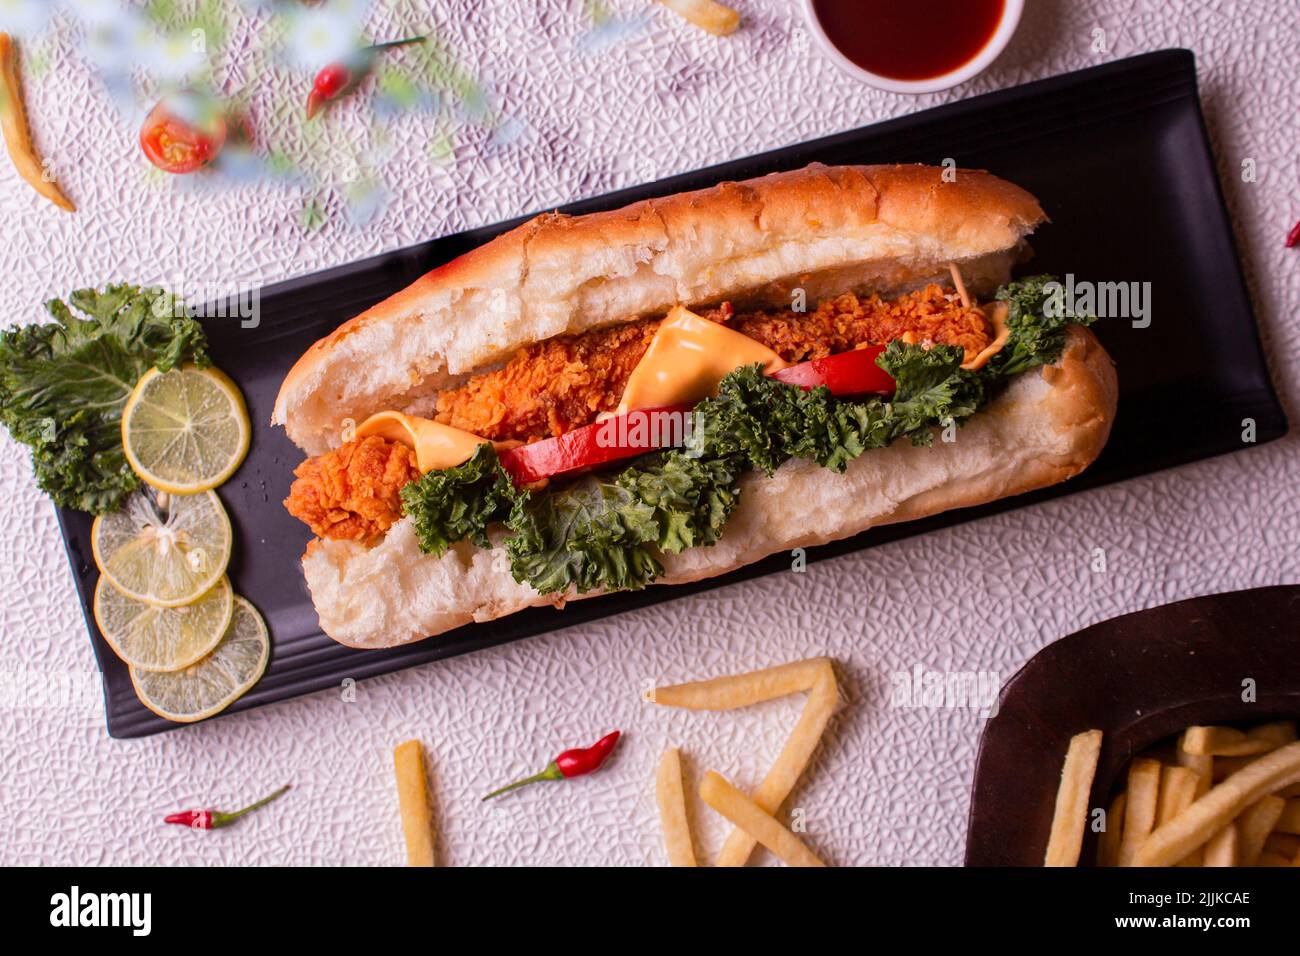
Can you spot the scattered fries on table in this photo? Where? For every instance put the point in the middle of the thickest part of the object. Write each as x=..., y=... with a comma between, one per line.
x=744, y=690
x=17, y=132
x=1229, y=800
x=413, y=799
x=754, y=816
x=706, y=14
x=671, y=795
x=754, y=820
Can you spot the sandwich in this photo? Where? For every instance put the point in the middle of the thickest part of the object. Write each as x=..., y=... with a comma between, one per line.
x=672, y=390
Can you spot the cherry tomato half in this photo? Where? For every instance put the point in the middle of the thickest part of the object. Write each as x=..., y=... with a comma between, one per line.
x=176, y=144
x=613, y=439
x=848, y=373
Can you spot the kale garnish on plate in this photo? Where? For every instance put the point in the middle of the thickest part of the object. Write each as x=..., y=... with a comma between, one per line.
x=63, y=385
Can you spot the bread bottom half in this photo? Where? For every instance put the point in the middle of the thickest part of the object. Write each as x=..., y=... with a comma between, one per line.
x=1046, y=426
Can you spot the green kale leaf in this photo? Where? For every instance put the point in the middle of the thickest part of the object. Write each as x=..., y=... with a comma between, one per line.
x=602, y=531
x=932, y=389
x=63, y=385
x=1037, y=316
x=453, y=504
x=766, y=423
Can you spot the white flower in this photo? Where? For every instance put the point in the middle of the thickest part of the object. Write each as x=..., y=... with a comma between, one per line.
x=24, y=18
x=324, y=34
x=175, y=57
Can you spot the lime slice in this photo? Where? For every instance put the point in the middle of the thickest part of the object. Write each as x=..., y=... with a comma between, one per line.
x=216, y=681
x=162, y=638
x=186, y=430
x=163, y=549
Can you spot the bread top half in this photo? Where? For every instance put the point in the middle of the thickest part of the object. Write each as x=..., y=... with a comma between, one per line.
x=823, y=229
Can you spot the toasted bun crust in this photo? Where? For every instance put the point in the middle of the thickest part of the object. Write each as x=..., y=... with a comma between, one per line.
x=1046, y=427
x=825, y=229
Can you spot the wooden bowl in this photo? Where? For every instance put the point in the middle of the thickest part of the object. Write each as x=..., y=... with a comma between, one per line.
x=1140, y=679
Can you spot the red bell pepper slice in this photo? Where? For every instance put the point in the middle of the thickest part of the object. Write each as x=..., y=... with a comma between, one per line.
x=620, y=436
x=627, y=435
x=848, y=373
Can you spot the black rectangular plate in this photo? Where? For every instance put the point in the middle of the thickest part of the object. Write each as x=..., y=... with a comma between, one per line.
x=1119, y=158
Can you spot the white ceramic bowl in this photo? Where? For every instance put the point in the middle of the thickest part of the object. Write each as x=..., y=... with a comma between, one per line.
x=1011, y=10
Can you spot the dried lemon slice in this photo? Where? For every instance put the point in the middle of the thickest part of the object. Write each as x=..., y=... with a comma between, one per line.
x=186, y=430
x=162, y=638
x=163, y=549
x=215, y=682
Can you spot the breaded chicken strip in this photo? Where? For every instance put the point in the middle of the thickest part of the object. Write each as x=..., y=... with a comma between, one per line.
x=565, y=382
x=353, y=491
x=551, y=387
x=843, y=323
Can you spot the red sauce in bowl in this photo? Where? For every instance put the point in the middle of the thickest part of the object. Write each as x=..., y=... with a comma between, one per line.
x=909, y=39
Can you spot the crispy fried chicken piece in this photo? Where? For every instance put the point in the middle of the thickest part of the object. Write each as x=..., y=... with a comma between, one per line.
x=565, y=382
x=552, y=387
x=843, y=323
x=353, y=491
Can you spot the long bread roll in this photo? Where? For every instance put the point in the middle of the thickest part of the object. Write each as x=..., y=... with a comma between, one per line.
x=880, y=230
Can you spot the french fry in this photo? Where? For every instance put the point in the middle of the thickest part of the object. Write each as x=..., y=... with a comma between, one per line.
x=1202, y=764
x=413, y=798
x=706, y=14
x=1224, y=742
x=1071, y=814
x=1287, y=793
x=742, y=690
x=1195, y=825
x=755, y=821
x=1140, y=814
x=17, y=132
x=1255, y=824
x=1221, y=849
x=1177, y=791
x=790, y=764
x=1272, y=859
x=1108, y=845
x=1285, y=844
x=671, y=796
x=1289, y=821
x=1225, y=767
x=1277, y=734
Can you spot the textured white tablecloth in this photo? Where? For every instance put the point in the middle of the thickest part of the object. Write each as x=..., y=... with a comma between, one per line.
x=582, y=110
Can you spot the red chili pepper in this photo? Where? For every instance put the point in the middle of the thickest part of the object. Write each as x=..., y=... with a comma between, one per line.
x=1293, y=237
x=571, y=763
x=336, y=78
x=212, y=819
